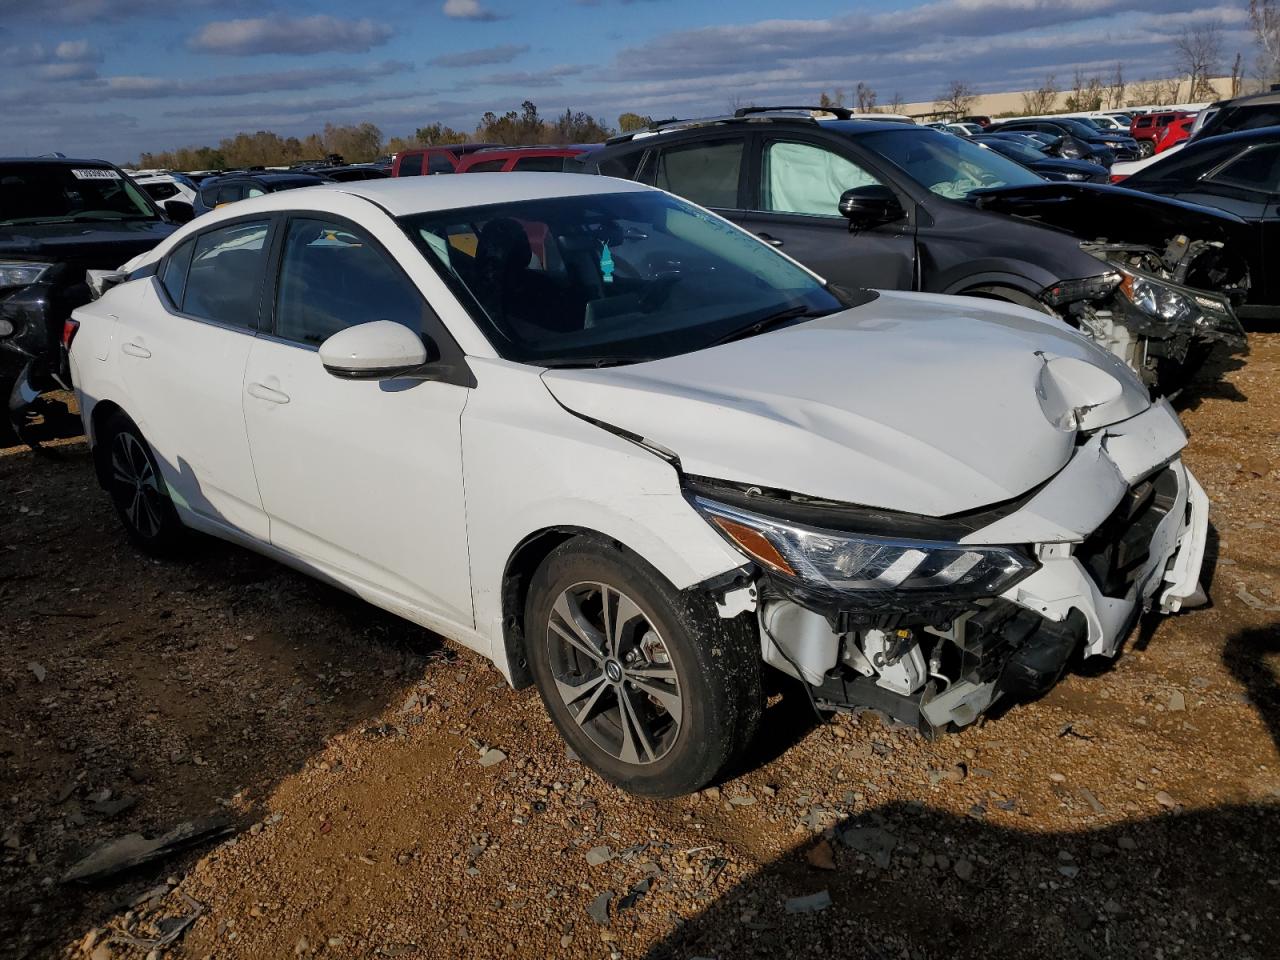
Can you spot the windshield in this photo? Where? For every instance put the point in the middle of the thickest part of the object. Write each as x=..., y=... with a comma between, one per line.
x=1083, y=130
x=1013, y=148
x=54, y=192
x=611, y=278
x=951, y=167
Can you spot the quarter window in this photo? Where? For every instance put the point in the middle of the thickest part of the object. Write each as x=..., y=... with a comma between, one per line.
x=1253, y=170
x=808, y=179
x=540, y=164
x=438, y=163
x=333, y=277
x=411, y=165
x=706, y=173
x=487, y=166
x=226, y=274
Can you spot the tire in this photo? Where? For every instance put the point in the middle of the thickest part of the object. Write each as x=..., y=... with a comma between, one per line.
x=1145, y=149
x=137, y=489
x=691, y=680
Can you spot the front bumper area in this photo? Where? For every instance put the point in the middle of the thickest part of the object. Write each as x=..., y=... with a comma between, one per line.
x=1120, y=530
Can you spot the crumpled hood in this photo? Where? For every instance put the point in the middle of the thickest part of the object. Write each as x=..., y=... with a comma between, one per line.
x=1092, y=210
x=100, y=245
x=911, y=402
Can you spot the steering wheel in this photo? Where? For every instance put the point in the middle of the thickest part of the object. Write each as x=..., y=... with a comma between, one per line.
x=659, y=288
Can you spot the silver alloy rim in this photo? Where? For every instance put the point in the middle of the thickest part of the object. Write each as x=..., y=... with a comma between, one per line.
x=614, y=673
x=136, y=483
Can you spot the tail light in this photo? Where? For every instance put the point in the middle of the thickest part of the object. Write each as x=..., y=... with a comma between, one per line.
x=1117, y=177
x=69, y=329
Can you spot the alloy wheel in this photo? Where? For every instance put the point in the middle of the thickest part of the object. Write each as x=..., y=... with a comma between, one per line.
x=135, y=485
x=614, y=673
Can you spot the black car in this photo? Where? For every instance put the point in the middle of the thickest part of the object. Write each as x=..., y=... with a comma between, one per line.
x=1239, y=173
x=239, y=185
x=1051, y=168
x=350, y=172
x=58, y=219
x=1243, y=113
x=1104, y=148
x=870, y=204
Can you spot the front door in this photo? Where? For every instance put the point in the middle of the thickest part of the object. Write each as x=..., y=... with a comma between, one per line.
x=182, y=357
x=362, y=479
x=796, y=209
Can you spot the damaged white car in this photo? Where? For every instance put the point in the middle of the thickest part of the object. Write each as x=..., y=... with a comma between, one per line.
x=633, y=454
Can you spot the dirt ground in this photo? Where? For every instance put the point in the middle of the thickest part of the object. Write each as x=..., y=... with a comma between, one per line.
x=1133, y=812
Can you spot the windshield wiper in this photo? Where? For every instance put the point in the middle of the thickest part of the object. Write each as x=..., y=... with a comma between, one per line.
x=80, y=218
x=798, y=312
x=569, y=362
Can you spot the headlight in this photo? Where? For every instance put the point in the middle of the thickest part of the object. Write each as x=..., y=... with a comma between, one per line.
x=20, y=273
x=1090, y=288
x=863, y=567
x=1157, y=299
x=1075, y=176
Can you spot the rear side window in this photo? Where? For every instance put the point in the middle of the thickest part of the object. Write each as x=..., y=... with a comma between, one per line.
x=439, y=163
x=160, y=191
x=625, y=166
x=487, y=166
x=333, y=277
x=229, y=193
x=226, y=274
x=540, y=164
x=706, y=173
x=411, y=165
x=1143, y=122
x=174, y=277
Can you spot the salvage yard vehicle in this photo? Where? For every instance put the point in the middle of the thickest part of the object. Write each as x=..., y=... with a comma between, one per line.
x=1238, y=173
x=632, y=454
x=1038, y=162
x=58, y=218
x=907, y=208
x=240, y=184
x=1108, y=146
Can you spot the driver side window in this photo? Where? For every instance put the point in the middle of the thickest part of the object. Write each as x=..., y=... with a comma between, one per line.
x=807, y=179
x=333, y=277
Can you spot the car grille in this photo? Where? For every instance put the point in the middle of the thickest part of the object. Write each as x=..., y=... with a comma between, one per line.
x=1114, y=554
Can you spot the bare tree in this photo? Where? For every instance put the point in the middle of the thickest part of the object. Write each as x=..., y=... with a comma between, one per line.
x=1264, y=18
x=865, y=96
x=1115, y=91
x=1087, y=93
x=1197, y=52
x=956, y=99
x=1043, y=98
x=1236, y=76
x=896, y=103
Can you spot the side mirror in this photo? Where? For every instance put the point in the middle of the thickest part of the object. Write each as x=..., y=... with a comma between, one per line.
x=179, y=211
x=871, y=206
x=378, y=350
x=100, y=281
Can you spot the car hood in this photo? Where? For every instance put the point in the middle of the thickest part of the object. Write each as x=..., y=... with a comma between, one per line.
x=1089, y=210
x=102, y=245
x=911, y=402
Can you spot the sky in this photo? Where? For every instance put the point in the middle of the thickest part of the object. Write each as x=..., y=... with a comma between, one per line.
x=113, y=78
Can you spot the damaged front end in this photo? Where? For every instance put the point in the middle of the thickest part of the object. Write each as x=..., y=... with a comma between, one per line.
x=1153, y=309
x=933, y=620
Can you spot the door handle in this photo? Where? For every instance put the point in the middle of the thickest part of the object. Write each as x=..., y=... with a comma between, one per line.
x=770, y=239
x=263, y=392
x=135, y=350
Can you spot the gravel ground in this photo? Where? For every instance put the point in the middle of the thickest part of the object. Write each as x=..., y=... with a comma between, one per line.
x=388, y=795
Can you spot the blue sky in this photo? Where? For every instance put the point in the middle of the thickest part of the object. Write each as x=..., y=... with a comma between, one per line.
x=113, y=78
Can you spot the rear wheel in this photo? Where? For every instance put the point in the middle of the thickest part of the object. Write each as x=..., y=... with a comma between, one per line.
x=1145, y=149
x=649, y=685
x=137, y=488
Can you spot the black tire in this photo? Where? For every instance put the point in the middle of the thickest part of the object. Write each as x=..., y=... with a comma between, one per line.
x=137, y=489
x=717, y=683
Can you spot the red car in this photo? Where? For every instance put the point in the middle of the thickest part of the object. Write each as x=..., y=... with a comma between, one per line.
x=417, y=161
x=1175, y=133
x=527, y=159
x=1146, y=128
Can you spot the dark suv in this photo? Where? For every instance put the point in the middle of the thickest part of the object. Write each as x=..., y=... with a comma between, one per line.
x=1104, y=147
x=1242, y=113
x=898, y=206
x=241, y=184
x=58, y=219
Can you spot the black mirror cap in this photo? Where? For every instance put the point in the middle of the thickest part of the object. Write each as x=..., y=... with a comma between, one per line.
x=180, y=211
x=870, y=206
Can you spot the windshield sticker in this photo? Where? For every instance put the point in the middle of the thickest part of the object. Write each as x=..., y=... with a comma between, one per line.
x=95, y=173
x=606, y=264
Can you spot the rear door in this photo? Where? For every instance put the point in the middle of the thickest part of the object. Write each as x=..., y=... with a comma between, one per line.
x=795, y=191
x=182, y=357
x=360, y=479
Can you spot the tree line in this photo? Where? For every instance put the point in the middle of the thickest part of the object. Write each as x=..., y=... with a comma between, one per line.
x=364, y=142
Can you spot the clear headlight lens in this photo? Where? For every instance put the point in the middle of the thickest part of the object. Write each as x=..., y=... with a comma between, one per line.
x=1155, y=298
x=1074, y=176
x=17, y=273
x=864, y=566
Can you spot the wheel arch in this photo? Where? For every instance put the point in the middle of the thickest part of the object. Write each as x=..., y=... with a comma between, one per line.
x=102, y=411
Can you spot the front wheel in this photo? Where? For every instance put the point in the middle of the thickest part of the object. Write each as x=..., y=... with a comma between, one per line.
x=649, y=685
x=137, y=488
x=1145, y=149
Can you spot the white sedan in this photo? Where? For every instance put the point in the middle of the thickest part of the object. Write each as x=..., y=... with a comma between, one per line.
x=633, y=454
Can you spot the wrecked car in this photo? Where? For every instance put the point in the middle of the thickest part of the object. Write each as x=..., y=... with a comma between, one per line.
x=890, y=206
x=58, y=219
x=636, y=457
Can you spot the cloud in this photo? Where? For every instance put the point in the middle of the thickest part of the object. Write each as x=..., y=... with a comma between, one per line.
x=289, y=35
x=68, y=60
x=145, y=87
x=468, y=10
x=483, y=57
x=106, y=11
x=528, y=78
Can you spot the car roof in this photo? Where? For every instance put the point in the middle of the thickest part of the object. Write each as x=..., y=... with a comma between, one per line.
x=1257, y=134
x=546, y=150
x=56, y=161
x=401, y=196
x=1267, y=97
